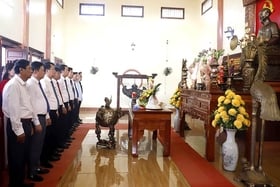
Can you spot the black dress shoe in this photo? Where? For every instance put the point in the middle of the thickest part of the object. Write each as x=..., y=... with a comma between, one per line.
x=36, y=178
x=28, y=185
x=56, y=154
x=64, y=146
x=42, y=171
x=54, y=158
x=60, y=150
x=46, y=165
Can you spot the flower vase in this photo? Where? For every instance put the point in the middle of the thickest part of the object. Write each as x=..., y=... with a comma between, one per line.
x=248, y=73
x=176, y=120
x=153, y=103
x=230, y=151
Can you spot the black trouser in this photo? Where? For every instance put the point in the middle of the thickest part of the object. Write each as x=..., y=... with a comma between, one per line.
x=37, y=142
x=76, y=111
x=50, y=141
x=66, y=123
x=71, y=117
x=18, y=153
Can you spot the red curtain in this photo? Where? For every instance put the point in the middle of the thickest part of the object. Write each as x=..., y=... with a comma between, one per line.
x=275, y=16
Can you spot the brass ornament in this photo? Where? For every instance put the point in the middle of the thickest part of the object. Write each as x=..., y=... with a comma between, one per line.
x=233, y=42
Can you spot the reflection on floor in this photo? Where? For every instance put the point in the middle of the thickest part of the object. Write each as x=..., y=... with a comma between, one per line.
x=271, y=154
x=116, y=167
x=93, y=165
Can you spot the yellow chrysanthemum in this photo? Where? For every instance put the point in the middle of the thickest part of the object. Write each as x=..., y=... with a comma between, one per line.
x=227, y=101
x=237, y=124
x=242, y=110
x=238, y=97
x=235, y=102
x=223, y=113
x=247, y=123
x=214, y=123
x=228, y=92
x=217, y=116
x=240, y=117
x=225, y=119
x=232, y=112
x=175, y=99
x=220, y=109
x=221, y=99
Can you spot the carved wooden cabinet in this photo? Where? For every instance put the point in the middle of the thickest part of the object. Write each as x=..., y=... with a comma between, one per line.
x=200, y=104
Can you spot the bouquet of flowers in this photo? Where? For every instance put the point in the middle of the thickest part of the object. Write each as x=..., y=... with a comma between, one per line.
x=231, y=112
x=146, y=94
x=175, y=99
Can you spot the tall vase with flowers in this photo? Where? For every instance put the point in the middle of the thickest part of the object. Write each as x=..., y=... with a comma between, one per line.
x=231, y=116
x=175, y=100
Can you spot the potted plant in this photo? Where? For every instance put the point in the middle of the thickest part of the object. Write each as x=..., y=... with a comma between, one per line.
x=231, y=116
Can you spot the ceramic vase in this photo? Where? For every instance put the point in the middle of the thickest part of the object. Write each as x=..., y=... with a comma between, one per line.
x=230, y=151
x=176, y=120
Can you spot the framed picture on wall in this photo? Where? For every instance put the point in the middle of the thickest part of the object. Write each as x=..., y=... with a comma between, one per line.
x=60, y=3
x=206, y=5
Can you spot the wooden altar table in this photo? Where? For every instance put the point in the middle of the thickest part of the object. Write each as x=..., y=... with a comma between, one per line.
x=158, y=121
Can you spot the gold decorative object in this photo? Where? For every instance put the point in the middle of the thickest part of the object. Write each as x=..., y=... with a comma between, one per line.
x=263, y=95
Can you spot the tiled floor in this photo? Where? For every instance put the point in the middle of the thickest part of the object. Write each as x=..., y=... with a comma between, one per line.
x=271, y=155
x=194, y=137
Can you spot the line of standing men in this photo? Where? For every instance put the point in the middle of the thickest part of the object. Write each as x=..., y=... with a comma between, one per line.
x=41, y=104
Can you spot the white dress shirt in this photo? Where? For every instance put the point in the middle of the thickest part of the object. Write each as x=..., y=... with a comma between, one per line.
x=64, y=93
x=38, y=100
x=55, y=82
x=47, y=86
x=70, y=89
x=17, y=104
x=79, y=90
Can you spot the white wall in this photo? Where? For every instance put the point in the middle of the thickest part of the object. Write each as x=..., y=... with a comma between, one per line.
x=105, y=41
x=232, y=12
x=11, y=22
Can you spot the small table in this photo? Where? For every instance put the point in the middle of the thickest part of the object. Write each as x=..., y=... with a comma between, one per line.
x=155, y=120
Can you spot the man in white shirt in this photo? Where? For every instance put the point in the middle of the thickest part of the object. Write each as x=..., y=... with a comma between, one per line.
x=41, y=108
x=20, y=116
x=64, y=89
x=52, y=131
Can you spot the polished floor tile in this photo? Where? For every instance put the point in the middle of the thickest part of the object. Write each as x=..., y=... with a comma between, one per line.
x=102, y=167
x=116, y=167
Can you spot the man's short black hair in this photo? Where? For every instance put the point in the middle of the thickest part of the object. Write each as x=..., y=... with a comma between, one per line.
x=21, y=63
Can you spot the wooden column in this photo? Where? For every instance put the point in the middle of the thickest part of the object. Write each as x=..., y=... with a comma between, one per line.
x=48, y=29
x=220, y=24
x=25, y=29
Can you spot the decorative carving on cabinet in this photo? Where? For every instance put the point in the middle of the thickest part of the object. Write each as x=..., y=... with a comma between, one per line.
x=248, y=2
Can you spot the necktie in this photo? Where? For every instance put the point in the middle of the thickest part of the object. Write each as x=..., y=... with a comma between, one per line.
x=59, y=91
x=55, y=93
x=48, y=105
x=81, y=86
x=67, y=89
x=76, y=90
x=72, y=87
